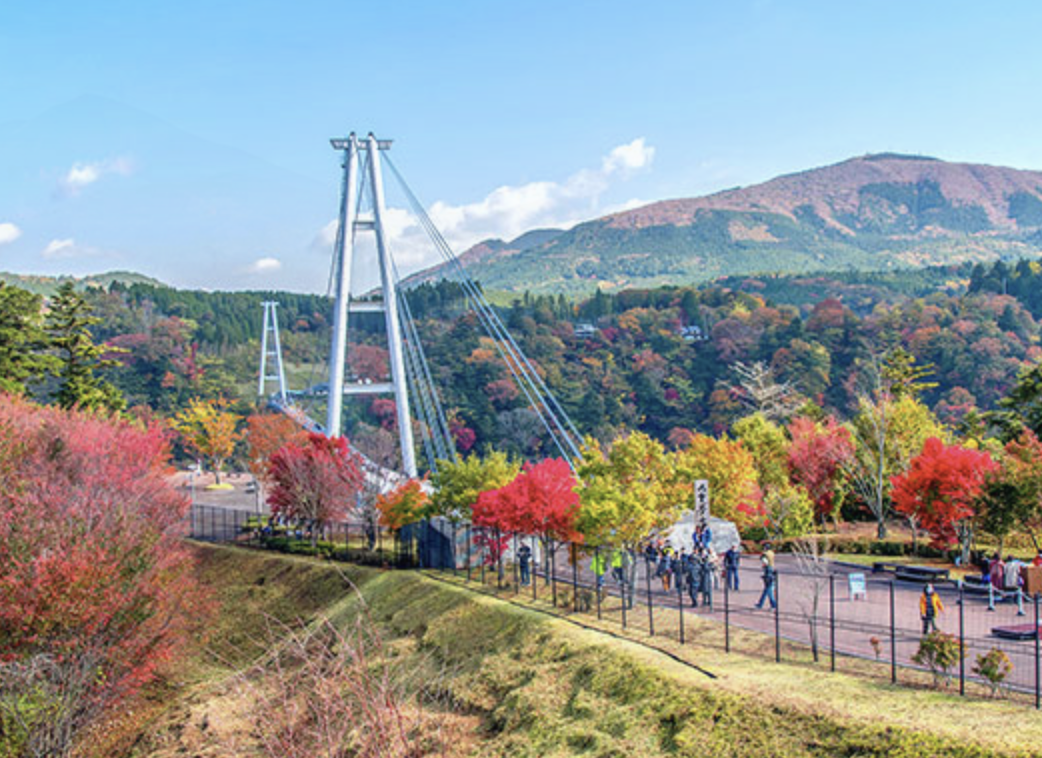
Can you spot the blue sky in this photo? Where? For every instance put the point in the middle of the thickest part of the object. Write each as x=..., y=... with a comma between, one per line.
x=188, y=140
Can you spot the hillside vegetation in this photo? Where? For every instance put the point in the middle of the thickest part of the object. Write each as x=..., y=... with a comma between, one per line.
x=512, y=682
x=874, y=212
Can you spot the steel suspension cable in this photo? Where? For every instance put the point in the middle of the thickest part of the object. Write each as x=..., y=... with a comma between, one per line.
x=531, y=383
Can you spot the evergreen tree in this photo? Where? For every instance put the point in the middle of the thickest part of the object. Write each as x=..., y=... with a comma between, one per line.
x=68, y=327
x=21, y=337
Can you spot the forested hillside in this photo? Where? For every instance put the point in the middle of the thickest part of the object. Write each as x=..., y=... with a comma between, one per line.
x=869, y=213
x=658, y=360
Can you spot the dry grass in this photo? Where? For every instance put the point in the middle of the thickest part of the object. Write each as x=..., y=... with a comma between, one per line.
x=511, y=679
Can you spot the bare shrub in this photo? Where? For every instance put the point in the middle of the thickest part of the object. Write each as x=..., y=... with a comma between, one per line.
x=334, y=691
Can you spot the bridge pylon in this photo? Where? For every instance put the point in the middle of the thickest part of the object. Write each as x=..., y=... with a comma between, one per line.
x=350, y=222
x=271, y=349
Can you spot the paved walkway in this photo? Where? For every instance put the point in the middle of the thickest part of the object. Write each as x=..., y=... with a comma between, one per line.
x=857, y=621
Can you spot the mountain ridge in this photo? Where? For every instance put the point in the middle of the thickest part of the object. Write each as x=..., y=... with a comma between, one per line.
x=871, y=212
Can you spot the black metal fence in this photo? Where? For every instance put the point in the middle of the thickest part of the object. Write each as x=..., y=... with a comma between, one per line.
x=828, y=615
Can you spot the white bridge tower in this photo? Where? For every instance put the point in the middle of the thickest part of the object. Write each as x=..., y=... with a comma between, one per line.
x=351, y=222
x=271, y=350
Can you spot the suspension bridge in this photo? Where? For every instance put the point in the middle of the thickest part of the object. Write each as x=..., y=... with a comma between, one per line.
x=362, y=209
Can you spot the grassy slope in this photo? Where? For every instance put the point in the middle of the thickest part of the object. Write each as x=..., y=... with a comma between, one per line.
x=537, y=686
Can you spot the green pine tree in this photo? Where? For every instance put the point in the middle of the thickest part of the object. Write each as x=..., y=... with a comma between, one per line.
x=21, y=340
x=68, y=326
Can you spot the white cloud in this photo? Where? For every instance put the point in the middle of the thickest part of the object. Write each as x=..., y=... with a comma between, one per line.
x=9, y=232
x=65, y=248
x=505, y=213
x=84, y=174
x=636, y=155
x=264, y=266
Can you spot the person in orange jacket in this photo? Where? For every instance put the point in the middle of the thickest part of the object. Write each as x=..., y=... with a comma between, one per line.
x=930, y=607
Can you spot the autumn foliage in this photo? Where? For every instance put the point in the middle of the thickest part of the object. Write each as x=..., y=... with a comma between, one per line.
x=209, y=430
x=817, y=456
x=96, y=587
x=541, y=500
x=940, y=487
x=265, y=434
x=402, y=505
x=317, y=481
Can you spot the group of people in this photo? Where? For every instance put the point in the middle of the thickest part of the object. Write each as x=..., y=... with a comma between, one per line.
x=1005, y=575
x=699, y=570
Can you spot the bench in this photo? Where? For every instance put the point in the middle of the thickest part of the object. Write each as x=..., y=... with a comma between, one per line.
x=880, y=566
x=975, y=585
x=920, y=573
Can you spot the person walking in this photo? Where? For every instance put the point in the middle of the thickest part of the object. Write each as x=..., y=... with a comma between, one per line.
x=997, y=574
x=930, y=607
x=665, y=568
x=651, y=555
x=705, y=588
x=683, y=568
x=769, y=578
x=694, y=577
x=731, y=561
x=599, y=566
x=524, y=563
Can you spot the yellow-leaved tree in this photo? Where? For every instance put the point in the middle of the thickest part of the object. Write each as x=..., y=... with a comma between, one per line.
x=457, y=484
x=211, y=431
x=730, y=470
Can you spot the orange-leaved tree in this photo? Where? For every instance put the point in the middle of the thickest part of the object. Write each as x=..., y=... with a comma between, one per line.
x=265, y=434
x=939, y=490
x=403, y=505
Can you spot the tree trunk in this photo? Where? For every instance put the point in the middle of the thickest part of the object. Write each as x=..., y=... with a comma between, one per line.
x=881, y=529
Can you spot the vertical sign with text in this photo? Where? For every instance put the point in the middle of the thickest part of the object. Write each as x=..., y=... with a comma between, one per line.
x=701, y=502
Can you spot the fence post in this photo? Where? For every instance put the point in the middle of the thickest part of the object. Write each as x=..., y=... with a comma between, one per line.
x=534, y=573
x=380, y=547
x=651, y=611
x=481, y=554
x=452, y=552
x=213, y=524
x=598, y=579
x=777, y=618
x=680, y=610
x=499, y=559
x=1038, y=662
x=573, y=554
x=622, y=592
x=727, y=613
x=468, y=552
x=893, y=638
x=962, y=641
x=832, y=621
x=553, y=571
x=517, y=581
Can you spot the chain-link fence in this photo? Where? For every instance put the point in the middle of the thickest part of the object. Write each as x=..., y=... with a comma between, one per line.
x=807, y=610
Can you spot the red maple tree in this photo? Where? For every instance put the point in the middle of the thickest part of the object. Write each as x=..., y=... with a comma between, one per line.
x=318, y=481
x=940, y=487
x=97, y=588
x=817, y=456
x=540, y=501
